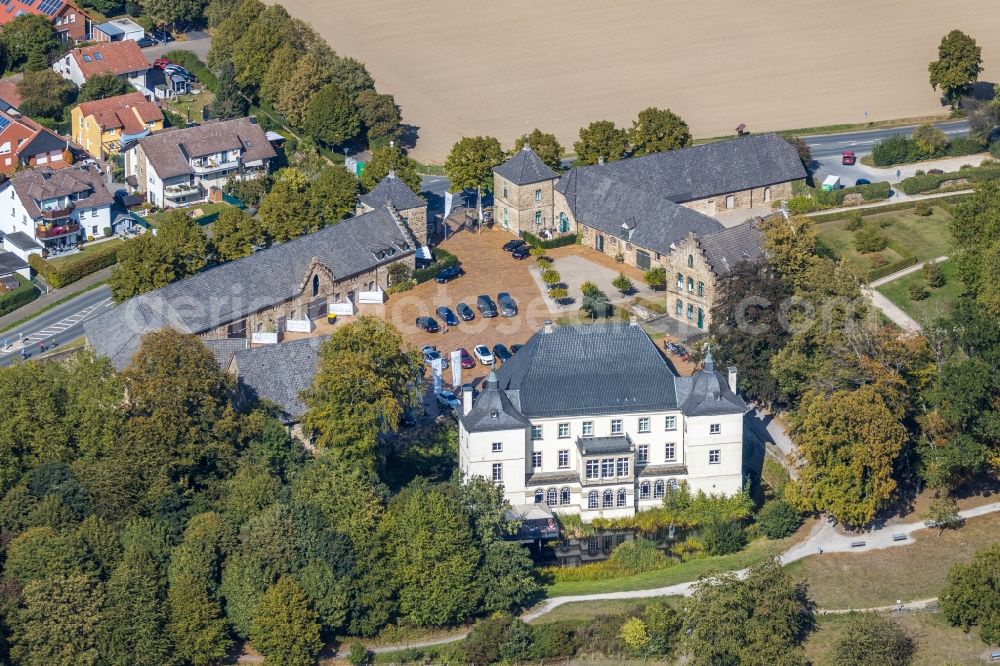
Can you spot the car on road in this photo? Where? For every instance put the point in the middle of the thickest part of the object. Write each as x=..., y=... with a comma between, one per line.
x=448, y=274
x=935, y=171
x=467, y=361
x=848, y=158
x=512, y=245
x=160, y=63
x=145, y=42
x=431, y=354
x=862, y=181
x=465, y=313
x=522, y=252
x=448, y=399
x=484, y=355
x=428, y=324
x=508, y=308
x=501, y=353
x=486, y=306
x=447, y=316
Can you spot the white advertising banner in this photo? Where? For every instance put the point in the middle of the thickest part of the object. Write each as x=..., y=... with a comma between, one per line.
x=456, y=368
x=437, y=366
x=448, y=199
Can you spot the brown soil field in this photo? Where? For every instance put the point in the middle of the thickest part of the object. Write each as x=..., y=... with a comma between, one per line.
x=468, y=67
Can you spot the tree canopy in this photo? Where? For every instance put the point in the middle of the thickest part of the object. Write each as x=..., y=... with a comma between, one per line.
x=471, y=161
x=100, y=86
x=657, y=131
x=958, y=65
x=601, y=140
x=386, y=158
x=545, y=145
x=30, y=41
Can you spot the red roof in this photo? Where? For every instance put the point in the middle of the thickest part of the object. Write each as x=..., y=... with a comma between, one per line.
x=11, y=9
x=110, y=58
x=129, y=111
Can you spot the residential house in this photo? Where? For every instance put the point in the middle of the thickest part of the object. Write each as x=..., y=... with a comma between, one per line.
x=258, y=298
x=179, y=167
x=641, y=210
x=25, y=143
x=123, y=59
x=592, y=421
x=10, y=266
x=44, y=211
x=103, y=126
x=117, y=30
x=71, y=23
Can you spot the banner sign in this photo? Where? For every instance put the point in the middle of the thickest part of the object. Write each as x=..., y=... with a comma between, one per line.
x=456, y=368
x=448, y=198
x=437, y=366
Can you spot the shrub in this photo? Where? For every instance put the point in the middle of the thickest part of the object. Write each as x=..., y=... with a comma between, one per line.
x=964, y=145
x=443, y=259
x=623, y=284
x=544, y=263
x=933, y=274
x=855, y=222
x=588, y=288
x=551, y=277
x=359, y=655
x=871, y=639
x=400, y=272
x=995, y=149
x=107, y=231
x=803, y=205
x=922, y=209
x=15, y=298
x=656, y=277
x=723, y=537
x=74, y=268
x=778, y=519
x=558, y=294
x=918, y=291
x=628, y=559
x=895, y=150
x=535, y=241
x=597, y=305
x=498, y=638
x=932, y=181
x=620, y=258
x=635, y=636
x=553, y=640
x=919, y=172
x=870, y=239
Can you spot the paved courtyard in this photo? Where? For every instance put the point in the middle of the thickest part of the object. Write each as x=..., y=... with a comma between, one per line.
x=575, y=269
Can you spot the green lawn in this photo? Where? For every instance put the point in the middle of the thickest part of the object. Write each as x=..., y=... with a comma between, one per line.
x=909, y=236
x=205, y=208
x=89, y=248
x=935, y=305
x=583, y=611
x=189, y=106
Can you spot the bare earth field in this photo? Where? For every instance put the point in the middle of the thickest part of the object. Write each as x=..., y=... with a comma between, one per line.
x=467, y=67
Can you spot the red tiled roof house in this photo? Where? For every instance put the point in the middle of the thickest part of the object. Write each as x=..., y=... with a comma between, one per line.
x=123, y=59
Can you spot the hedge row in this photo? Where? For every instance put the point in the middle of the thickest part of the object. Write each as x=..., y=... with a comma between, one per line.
x=535, y=241
x=817, y=199
x=878, y=210
x=443, y=259
x=889, y=269
x=191, y=63
x=74, y=268
x=932, y=181
x=903, y=150
x=24, y=294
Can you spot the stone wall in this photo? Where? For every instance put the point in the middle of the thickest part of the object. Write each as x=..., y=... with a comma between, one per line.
x=688, y=261
x=416, y=220
x=515, y=206
x=756, y=197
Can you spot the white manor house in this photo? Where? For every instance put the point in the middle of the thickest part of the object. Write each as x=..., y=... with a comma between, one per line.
x=591, y=420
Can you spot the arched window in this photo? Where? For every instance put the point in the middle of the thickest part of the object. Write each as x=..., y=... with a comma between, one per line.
x=315, y=284
x=550, y=498
x=680, y=281
x=539, y=496
x=658, y=489
x=609, y=499
x=564, y=496
x=592, y=499
x=767, y=194
x=690, y=261
x=690, y=284
x=672, y=484
x=622, y=498
x=644, y=490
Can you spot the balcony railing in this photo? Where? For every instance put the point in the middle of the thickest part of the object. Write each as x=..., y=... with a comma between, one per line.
x=56, y=231
x=178, y=191
x=210, y=166
x=56, y=213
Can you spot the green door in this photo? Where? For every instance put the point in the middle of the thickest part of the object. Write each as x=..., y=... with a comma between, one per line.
x=701, y=318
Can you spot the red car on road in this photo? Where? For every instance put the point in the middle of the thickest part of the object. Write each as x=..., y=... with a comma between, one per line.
x=467, y=360
x=848, y=158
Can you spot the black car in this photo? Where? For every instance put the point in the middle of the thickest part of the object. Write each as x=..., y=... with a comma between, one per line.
x=862, y=181
x=447, y=316
x=512, y=245
x=486, y=306
x=427, y=324
x=465, y=313
x=145, y=42
x=448, y=274
x=522, y=252
x=508, y=308
x=501, y=353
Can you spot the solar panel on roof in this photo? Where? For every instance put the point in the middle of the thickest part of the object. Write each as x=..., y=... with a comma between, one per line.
x=50, y=7
x=4, y=123
x=27, y=3
x=4, y=2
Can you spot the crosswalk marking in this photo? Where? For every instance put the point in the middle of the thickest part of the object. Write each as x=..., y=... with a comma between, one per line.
x=62, y=325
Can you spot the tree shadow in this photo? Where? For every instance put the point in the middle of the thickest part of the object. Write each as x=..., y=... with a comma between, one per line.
x=408, y=135
x=982, y=90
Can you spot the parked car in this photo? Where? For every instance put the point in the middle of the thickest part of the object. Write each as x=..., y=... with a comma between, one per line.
x=465, y=313
x=145, y=42
x=501, y=353
x=848, y=158
x=484, y=355
x=172, y=69
x=467, y=360
x=515, y=348
x=862, y=181
x=448, y=274
x=935, y=171
x=427, y=324
x=447, y=316
x=508, y=308
x=522, y=252
x=448, y=399
x=486, y=306
x=160, y=63
x=431, y=354
x=512, y=245
x=677, y=349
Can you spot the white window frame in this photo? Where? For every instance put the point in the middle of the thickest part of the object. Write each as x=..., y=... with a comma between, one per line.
x=563, y=459
x=616, y=426
x=642, y=454
x=622, y=467
x=563, y=431
x=497, y=447
x=670, y=452
x=670, y=423
x=715, y=429
x=497, y=472
x=536, y=432
x=715, y=456
x=588, y=428
x=643, y=424
x=536, y=460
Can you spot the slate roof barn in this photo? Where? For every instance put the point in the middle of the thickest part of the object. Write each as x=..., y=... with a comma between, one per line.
x=279, y=373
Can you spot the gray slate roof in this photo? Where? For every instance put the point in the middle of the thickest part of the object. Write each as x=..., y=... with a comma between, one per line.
x=525, y=168
x=280, y=372
x=493, y=411
x=394, y=191
x=10, y=263
x=724, y=249
x=224, y=349
x=707, y=393
x=545, y=478
x=169, y=151
x=590, y=369
x=21, y=241
x=662, y=470
x=590, y=446
x=230, y=292
x=41, y=183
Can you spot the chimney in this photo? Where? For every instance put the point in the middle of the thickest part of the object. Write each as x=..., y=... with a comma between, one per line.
x=600, y=160
x=392, y=173
x=466, y=400
x=632, y=320
x=732, y=378
x=548, y=326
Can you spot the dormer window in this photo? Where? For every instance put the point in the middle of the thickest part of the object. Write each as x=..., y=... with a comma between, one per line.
x=494, y=414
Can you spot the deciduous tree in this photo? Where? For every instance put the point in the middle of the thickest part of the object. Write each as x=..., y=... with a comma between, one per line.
x=545, y=145
x=330, y=117
x=334, y=194
x=59, y=622
x=235, y=235
x=471, y=161
x=394, y=158
x=45, y=93
x=958, y=65
x=873, y=640
x=657, y=131
x=286, y=211
x=303, y=81
x=379, y=117
x=100, y=86
x=30, y=37
x=971, y=596
x=284, y=627
x=600, y=140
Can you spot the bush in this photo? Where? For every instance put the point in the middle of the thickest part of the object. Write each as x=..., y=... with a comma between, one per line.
x=932, y=181
x=778, y=519
x=359, y=655
x=623, y=284
x=723, y=537
x=889, y=269
x=589, y=288
x=895, y=150
x=498, y=638
x=870, y=239
x=933, y=274
x=535, y=241
x=74, y=268
x=922, y=209
x=191, y=63
x=856, y=222
x=443, y=259
x=544, y=263
x=964, y=145
x=551, y=277
x=24, y=294
x=918, y=291
x=597, y=305
x=802, y=205
x=656, y=277
x=995, y=149
x=628, y=559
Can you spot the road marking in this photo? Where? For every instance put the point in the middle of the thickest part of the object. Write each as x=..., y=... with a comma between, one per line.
x=64, y=324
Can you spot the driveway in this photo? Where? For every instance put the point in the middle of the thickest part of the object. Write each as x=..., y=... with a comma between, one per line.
x=198, y=43
x=575, y=269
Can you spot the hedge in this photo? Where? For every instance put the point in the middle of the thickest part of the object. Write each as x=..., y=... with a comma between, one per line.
x=932, y=181
x=443, y=259
x=878, y=210
x=24, y=294
x=902, y=150
x=889, y=269
x=191, y=63
x=816, y=199
x=72, y=269
x=535, y=241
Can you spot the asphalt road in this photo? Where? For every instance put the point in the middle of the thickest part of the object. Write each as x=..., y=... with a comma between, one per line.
x=57, y=326
x=861, y=142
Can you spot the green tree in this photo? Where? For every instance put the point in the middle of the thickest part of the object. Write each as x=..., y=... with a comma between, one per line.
x=623, y=284
x=778, y=519
x=870, y=239
x=931, y=141
x=790, y=246
x=136, y=612
x=545, y=145
x=873, y=640
x=229, y=102
x=101, y=86
x=656, y=277
x=235, y=235
x=805, y=153
x=173, y=12
x=245, y=579
x=365, y=380
x=600, y=140
x=971, y=596
x=850, y=442
x=284, y=60
x=943, y=514
x=657, y=131
x=432, y=556
x=379, y=117
x=41, y=553
x=284, y=627
x=232, y=26
x=45, y=93
x=596, y=304
x=329, y=595
x=471, y=161
x=30, y=37
x=330, y=117
x=286, y=211
x=253, y=43
x=304, y=80
x=59, y=622
x=958, y=65
x=351, y=76
x=635, y=636
x=179, y=249
x=975, y=226
x=386, y=158
x=334, y=193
